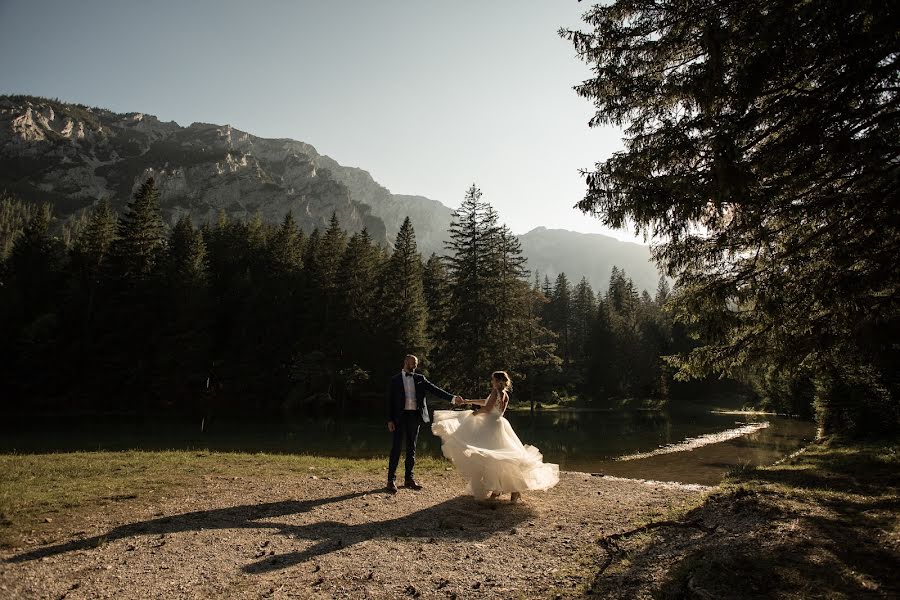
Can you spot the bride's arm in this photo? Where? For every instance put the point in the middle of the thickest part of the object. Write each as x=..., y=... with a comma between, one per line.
x=484, y=402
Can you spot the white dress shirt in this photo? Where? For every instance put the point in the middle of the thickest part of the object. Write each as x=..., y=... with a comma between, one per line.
x=409, y=386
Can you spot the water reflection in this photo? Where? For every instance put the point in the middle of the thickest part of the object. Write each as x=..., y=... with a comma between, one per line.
x=577, y=441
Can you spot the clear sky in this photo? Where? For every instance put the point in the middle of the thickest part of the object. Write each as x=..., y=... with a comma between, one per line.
x=428, y=96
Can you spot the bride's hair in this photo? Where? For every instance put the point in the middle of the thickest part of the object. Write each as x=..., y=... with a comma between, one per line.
x=504, y=379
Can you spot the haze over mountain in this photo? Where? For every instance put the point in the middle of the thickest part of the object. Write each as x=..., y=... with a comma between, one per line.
x=70, y=155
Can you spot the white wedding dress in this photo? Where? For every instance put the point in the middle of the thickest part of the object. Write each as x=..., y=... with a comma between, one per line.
x=489, y=454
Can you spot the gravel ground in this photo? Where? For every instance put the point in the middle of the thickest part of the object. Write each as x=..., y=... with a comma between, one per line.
x=335, y=537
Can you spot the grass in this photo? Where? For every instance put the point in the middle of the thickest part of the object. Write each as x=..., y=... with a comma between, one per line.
x=825, y=523
x=38, y=491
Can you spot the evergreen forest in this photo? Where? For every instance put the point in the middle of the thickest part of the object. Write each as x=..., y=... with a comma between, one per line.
x=121, y=314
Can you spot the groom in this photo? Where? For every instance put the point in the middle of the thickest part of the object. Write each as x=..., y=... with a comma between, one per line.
x=407, y=410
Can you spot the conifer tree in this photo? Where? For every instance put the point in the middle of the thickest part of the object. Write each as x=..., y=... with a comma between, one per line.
x=137, y=249
x=602, y=374
x=36, y=266
x=759, y=144
x=470, y=262
x=402, y=307
x=330, y=251
x=186, y=255
x=663, y=291
x=560, y=316
x=285, y=246
x=436, y=287
x=357, y=285
x=91, y=247
x=583, y=314
x=14, y=215
x=31, y=301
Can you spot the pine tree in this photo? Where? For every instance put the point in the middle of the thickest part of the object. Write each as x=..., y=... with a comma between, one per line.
x=583, y=314
x=286, y=247
x=436, y=286
x=357, y=286
x=559, y=316
x=31, y=301
x=759, y=146
x=330, y=251
x=402, y=308
x=547, y=287
x=137, y=249
x=663, y=291
x=186, y=255
x=14, y=215
x=184, y=353
x=91, y=247
x=470, y=262
x=602, y=379
x=36, y=266
x=522, y=345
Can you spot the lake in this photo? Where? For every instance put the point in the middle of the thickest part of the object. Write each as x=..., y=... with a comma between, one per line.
x=696, y=446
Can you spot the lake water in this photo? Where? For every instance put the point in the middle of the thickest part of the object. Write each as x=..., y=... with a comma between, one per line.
x=687, y=446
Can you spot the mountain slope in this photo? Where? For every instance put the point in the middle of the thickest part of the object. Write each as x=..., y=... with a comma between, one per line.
x=71, y=155
x=551, y=251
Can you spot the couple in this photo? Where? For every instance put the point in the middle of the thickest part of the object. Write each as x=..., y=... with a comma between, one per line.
x=482, y=444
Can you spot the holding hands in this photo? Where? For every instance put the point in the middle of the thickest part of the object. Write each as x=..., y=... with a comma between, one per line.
x=457, y=400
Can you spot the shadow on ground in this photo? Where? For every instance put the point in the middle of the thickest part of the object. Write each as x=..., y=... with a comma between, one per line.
x=820, y=527
x=459, y=518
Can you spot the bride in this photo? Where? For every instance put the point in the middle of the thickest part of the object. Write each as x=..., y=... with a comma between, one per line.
x=487, y=451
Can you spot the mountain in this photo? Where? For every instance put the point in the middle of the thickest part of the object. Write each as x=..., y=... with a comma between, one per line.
x=70, y=155
x=552, y=251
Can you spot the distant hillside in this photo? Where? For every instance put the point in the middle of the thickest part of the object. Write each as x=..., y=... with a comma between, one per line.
x=592, y=255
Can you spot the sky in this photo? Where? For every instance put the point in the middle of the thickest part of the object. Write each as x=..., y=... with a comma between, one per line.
x=429, y=97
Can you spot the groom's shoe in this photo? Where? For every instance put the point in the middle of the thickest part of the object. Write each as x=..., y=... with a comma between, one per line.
x=411, y=483
x=391, y=487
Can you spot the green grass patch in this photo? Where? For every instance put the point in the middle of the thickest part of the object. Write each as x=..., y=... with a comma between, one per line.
x=35, y=488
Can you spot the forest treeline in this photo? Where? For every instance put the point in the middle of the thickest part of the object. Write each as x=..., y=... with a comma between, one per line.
x=119, y=314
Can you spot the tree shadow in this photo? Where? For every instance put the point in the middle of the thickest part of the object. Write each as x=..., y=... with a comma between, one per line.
x=817, y=479
x=813, y=529
x=459, y=518
x=827, y=557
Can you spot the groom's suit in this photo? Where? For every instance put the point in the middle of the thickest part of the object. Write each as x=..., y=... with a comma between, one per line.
x=407, y=409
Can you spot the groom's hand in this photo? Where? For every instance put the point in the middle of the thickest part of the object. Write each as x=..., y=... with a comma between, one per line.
x=457, y=400
x=391, y=426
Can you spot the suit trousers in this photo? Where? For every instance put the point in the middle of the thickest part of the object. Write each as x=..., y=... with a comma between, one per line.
x=406, y=430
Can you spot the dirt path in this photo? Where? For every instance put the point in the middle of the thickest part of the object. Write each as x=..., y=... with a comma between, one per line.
x=316, y=537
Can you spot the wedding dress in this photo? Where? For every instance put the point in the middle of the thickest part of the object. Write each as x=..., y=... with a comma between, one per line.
x=489, y=454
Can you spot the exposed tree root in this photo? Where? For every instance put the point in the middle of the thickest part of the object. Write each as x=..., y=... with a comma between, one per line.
x=610, y=543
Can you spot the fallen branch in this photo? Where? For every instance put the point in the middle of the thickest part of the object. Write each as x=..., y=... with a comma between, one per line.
x=610, y=542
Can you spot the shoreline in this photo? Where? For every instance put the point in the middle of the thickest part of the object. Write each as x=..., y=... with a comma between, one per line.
x=206, y=524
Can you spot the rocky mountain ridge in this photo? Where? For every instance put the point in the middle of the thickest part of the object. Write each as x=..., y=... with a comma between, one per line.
x=71, y=155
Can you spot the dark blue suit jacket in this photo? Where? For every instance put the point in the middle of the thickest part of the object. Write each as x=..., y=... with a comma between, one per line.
x=396, y=399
